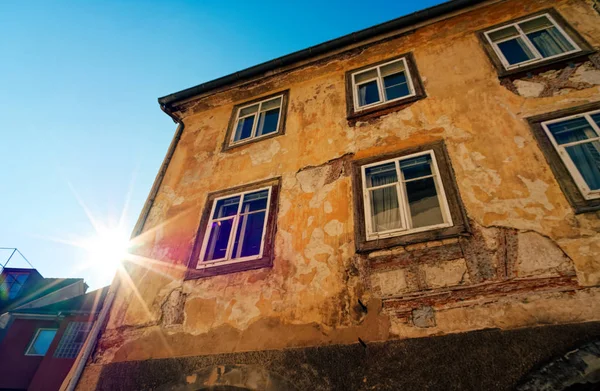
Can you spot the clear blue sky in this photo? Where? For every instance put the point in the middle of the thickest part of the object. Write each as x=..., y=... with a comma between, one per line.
x=78, y=87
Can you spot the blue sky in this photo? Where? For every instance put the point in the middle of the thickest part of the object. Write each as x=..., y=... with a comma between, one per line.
x=79, y=118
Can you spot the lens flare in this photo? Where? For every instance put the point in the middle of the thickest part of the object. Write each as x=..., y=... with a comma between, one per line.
x=109, y=246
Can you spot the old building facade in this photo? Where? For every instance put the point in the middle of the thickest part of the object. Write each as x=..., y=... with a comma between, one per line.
x=381, y=211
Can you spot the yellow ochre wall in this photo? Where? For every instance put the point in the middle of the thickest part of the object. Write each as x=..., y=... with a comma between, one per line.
x=309, y=296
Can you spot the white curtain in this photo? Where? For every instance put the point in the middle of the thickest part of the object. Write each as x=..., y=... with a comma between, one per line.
x=550, y=42
x=585, y=156
x=362, y=95
x=587, y=160
x=384, y=203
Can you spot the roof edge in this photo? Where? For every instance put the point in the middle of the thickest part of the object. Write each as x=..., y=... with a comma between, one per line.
x=322, y=48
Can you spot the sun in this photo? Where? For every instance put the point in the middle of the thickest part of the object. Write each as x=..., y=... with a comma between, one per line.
x=106, y=249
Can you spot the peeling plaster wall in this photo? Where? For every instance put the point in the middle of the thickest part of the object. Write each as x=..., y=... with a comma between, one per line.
x=530, y=260
x=556, y=82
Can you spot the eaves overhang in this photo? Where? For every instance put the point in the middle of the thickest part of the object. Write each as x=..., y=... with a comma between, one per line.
x=319, y=50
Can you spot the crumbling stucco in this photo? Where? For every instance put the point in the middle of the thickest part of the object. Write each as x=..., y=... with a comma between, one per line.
x=570, y=78
x=423, y=317
x=172, y=309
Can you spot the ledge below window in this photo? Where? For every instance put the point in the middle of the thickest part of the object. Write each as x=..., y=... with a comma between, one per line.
x=383, y=109
x=419, y=237
x=216, y=270
x=546, y=65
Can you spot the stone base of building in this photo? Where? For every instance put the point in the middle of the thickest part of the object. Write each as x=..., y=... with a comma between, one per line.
x=557, y=357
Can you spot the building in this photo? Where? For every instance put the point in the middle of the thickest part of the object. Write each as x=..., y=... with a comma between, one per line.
x=26, y=288
x=411, y=206
x=43, y=324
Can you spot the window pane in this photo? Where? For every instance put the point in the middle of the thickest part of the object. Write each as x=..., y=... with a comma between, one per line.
x=536, y=24
x=248, y=110
x=395, y=86
x=249, y=235
x=381, y=175
x=568, y=131
x=586, y=158
x=255, y=201
x=504, y=33
x=267, y=122
x=9, y=278
x=596, y=118
x=515, y=51
x=42, y=342
x=424, y=204
x=390, y=69
x=385, y=209
x=226, y=207
x=244, y=128
x=368, y=75
x=416, y=167
x=14, y=290
x=218, y=240
x=271, y=104
x=368, y=93
x=21, y=278
x=550, y=42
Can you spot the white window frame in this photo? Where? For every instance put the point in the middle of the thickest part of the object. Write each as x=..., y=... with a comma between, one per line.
x=403, y=199
x=528, y=43
x=253, y=136
x=564, y=155
x=226, y=260
x=380, y=87
x=37, y=333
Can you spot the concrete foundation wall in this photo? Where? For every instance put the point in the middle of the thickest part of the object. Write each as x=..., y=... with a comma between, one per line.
x=490, y=360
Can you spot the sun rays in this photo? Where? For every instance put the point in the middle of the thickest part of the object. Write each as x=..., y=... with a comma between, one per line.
x=108, y=249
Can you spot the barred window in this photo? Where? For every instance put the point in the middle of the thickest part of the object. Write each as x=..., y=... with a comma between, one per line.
x=73, y=339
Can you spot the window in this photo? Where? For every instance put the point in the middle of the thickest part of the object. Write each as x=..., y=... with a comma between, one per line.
x=577, y=140
x=41, y=342
x=570, y=139
x=257, y=120
x=408, y=197
x=12, y=284
x=530, y=40
x=379, y=86
x=404, y=195
x=73, y=339
x=383, y=83
x=533, y=41
x=237, y=229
